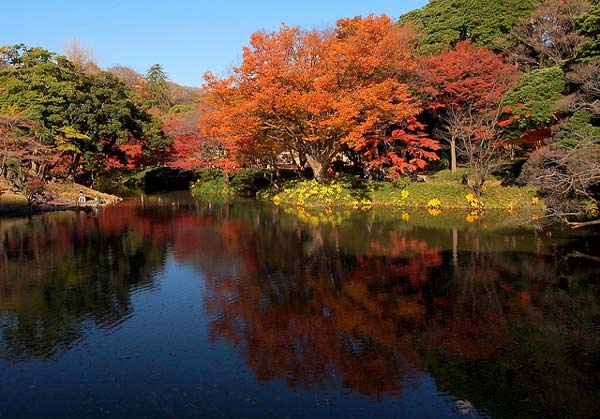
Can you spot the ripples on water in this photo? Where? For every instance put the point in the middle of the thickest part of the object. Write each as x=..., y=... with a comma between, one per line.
x=169, y=307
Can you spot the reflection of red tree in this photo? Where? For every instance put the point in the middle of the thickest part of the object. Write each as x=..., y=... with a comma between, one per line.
x=474, y=321
x=472, y=337
x=421, y=257
x=214, y=247
x=306, y=341
x=361, y=320
x=299, y=323
x=302, y=310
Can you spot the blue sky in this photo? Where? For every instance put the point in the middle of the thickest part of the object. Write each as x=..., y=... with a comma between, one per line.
x=187, y=37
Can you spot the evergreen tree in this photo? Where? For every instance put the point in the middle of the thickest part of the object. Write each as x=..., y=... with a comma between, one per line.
x=158, y=88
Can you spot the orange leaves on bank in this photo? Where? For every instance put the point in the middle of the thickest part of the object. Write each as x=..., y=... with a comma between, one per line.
x=313, y=93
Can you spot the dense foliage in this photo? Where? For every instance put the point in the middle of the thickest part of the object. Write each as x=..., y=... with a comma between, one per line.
x=64, y=117
x=534, y=98
x=487, y=22
x=314, y=93
x=463, y=88
x=72, y=123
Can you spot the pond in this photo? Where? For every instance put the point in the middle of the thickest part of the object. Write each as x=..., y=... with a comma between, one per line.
x=165, y=306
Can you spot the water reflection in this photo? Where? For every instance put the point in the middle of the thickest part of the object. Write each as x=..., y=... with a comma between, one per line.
x=502, y=320
x=60, y=270
x=492, y=325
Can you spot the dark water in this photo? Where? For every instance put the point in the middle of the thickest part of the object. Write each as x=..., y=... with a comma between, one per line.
x=169, y=307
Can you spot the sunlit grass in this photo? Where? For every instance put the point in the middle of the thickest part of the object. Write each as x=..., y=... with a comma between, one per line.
x=444, y=189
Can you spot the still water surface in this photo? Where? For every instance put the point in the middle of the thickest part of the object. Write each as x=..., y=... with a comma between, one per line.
x=164, y=306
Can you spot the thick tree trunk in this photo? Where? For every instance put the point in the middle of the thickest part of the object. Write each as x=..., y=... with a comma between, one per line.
x=319, y=168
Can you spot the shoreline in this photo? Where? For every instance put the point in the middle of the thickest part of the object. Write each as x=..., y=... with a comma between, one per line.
x=40, y=209
x=443, y=191
x=65, y=197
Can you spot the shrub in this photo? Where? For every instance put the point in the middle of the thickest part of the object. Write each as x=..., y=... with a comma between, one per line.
x=245, y=182
x=35, y=192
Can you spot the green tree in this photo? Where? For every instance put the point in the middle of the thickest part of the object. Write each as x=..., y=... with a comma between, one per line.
x=158, y=87
x=486, y=22
x=534, y=98
x=68, y=106
x=589, y=26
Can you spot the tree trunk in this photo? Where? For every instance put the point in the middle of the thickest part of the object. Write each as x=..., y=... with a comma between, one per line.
x=73, y=168
x=477, y=185
x=453, y=155
x=584, y=224
x=318, y=167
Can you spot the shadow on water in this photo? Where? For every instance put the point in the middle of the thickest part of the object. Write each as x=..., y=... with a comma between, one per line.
x=505, y=320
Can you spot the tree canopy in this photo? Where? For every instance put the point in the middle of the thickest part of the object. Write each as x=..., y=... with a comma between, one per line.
x=460, y=83
x=534, y=98
x=158, y=89
x=79, y=118
x=486, y=22
x=315, y=93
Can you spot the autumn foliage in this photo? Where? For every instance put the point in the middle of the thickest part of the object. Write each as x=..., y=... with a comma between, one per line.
x=463, y=88
x=466, y=75
x=189, y=148
x=314, y=93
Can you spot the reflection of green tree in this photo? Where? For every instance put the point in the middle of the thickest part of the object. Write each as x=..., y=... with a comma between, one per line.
x=516, y=342
x=53, y=286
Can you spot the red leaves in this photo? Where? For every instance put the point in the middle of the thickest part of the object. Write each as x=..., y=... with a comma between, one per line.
x=533, y=138
x=228, y=165
x=437, y=105
x=505, y=122
x=190, y=149
x=403, y=152
x=466, y=75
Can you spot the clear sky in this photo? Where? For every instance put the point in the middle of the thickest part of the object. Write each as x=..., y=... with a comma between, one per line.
x=188, y=37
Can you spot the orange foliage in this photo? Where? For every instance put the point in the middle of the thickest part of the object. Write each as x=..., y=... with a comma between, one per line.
x=313, y=93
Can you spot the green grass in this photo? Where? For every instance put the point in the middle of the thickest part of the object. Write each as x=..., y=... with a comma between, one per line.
x=244, y=183
x=212, y=187
x=443, y=186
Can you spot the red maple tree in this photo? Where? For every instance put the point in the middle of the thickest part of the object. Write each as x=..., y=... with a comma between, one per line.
x=468, y=78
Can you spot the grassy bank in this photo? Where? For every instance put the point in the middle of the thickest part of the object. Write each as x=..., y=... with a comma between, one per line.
x=248, y=183
x=331, y=204
x=443, y=189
